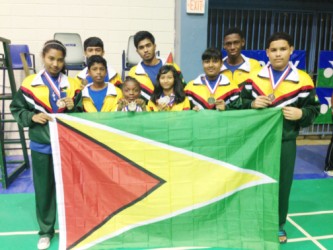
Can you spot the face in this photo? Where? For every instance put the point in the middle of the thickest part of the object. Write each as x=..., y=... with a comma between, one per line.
x=212, y=67
x=146, y=50
x=233, y=44
x=167, y=81
x=92, y=51
x=279, y=52
x=54, y=61
x=97, y=72
x=131, y=91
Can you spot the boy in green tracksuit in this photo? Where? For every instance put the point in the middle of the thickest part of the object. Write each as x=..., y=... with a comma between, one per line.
x=280, y=84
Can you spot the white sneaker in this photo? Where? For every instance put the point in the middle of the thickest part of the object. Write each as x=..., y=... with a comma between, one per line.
x=43, y=243
x=329, y=172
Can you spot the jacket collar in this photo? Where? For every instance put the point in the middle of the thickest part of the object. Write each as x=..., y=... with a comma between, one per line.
x=141, y=71
x=110, y=91
x=292, y=76
x=83, y=73
x=64, y=83
x=246, y=66
x=224, y=80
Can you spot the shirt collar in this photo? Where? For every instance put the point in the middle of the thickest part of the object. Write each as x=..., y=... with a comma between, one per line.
x=224, y=80
x=293, y=76
x=245, y=66
x=83, y=73
x=110, y=91
x=141, y=71
x=64, y=83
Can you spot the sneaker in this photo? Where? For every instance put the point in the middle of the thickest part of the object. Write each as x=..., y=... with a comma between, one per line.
x=329, y=172
x=282, y=236
x=43, y=243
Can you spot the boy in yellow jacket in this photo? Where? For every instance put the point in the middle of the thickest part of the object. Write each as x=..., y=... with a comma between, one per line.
x=99, y=96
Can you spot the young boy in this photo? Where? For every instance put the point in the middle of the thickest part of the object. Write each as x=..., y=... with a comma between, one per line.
x=236, y=66
x=131, y=92
x=99, y=96
x=212, y=90
x=146, y=70
x=280, y=84
x=95, y=46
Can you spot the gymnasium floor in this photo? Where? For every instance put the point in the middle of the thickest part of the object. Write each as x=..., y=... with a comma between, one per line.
x=310, y=219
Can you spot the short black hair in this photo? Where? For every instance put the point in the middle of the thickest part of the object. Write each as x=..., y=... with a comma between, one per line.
x=234, y=30
x=96, y=59
x=93, y=42
x=141, y=35
x=131, y=79
x=211, y=53
x=279, y=36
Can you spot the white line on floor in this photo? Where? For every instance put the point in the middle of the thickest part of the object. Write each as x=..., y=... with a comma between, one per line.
x=311, y=213
x=323, y=237
x=21, y=233
x=306, y=234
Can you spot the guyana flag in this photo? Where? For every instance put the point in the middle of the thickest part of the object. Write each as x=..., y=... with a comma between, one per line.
x=182, y=180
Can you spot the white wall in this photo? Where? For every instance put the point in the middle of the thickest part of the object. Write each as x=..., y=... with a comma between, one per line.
x=33, y=22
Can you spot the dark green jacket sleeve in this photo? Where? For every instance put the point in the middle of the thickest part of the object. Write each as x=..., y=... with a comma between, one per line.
x=78, y=105
x=236, y=104
x=21, y=110
x=310, y=109
x=246, y=94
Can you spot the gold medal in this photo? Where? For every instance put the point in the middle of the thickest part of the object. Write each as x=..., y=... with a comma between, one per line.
x=271, y=97
x=131, y=106
x=211, y=100
x=61, y=103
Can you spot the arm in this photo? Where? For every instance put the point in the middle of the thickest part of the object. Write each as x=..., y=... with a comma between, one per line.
x=307, y=107
x=310, y=109
x=24, y=114
x=140, y=102
x=78, y=105
x=246, y=94
x=251, y=102
x=74, y=97
x=235, y=104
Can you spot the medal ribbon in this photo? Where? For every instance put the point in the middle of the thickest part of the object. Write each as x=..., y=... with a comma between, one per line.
x=55, y=87
x=172, y=99
x=127, y=109
x=282, y=77
x=212, y=90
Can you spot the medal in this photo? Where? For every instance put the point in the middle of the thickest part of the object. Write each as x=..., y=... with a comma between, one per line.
x=271, y=97
x=131, y=106
x=56, y=94
x=61, y=103
x=164, y=100
x=211, y=100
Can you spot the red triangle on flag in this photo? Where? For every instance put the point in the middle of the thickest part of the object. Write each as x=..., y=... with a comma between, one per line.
x=101, y=183
x=170, y=59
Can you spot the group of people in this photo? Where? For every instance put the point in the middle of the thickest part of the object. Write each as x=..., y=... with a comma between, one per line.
x=155, y=84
